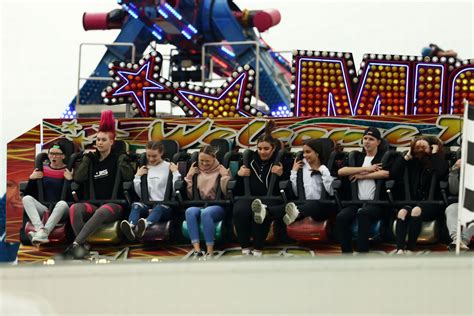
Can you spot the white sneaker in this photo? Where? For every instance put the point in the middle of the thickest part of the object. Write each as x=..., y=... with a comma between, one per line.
x=462, y=246
x=41, y=237
x=141, y=228
x=400, y=252
x=259, y=211
x=257, y=253
x=31, y=235
x=292, y=213
x=246, y=252
x=422, y=252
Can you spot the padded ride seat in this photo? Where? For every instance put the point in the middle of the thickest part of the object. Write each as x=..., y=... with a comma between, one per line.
x=375, y=230
x=429, y=232
x=157, y=232
x=308, y=230
x=59, y=235
x=107, y=234
x=217, y=235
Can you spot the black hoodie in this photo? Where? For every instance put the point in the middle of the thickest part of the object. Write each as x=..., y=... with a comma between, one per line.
x=260, y=175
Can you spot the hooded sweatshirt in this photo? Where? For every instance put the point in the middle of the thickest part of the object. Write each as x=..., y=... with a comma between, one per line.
x=260, y=175
x=207, y=181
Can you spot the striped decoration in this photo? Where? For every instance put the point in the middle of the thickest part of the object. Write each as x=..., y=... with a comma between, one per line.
x=468, y=212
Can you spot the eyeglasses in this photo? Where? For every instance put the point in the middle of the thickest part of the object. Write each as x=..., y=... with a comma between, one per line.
x=53, y=154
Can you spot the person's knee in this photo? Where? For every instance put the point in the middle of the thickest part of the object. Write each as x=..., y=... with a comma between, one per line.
x=343, y=216
x=27, y=198
x=416, y=211
x=339, y=218
x=62, y=208
x=77, y=209
x=138, y=206
x=402, y=214
x=158, y=209
x=62, y=205
x=451, y=210
x=363, y=213
x=206, y=214
x=100, y=216
x=192, y=211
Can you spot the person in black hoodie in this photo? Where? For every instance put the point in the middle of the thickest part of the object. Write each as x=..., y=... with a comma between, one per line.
x=250, y=216
x=86, y=218
x=424, y=160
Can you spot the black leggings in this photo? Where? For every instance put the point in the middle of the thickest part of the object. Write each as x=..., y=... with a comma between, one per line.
x=246, y=227
x=87, y=218
x=411, y=225
x=366, y=215
x=317, y=210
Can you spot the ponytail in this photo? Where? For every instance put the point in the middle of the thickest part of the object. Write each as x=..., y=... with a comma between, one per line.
x=267, y=135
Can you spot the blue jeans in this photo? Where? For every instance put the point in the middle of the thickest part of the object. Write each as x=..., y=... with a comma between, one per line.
x=158, y=213
x=208, y=217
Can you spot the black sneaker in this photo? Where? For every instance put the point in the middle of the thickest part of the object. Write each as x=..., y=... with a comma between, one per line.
x=87, y=246
x=127, y=230
x=141, y=228
x=69, y=252
x=199, y=255
x=80, y=252
x=75, y=251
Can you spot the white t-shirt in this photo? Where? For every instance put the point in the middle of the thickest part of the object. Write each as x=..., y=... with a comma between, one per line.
x=157, y=178
x=367, y=186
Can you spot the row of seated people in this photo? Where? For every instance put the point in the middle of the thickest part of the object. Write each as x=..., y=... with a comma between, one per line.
x=226, y=193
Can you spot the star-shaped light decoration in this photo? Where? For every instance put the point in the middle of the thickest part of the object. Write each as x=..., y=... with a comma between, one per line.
x=80, y=139
x=71, y=127
x=139, y=83
x=232, y=99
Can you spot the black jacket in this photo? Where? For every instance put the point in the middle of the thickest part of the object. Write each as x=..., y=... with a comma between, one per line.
x=260, y=174
x=420, y=174
x=103, y=173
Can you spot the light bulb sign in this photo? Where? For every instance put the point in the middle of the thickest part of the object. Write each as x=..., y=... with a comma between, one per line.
x=326, y=84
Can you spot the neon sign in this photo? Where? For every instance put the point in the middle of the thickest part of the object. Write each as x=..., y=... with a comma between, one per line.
x=326, y=84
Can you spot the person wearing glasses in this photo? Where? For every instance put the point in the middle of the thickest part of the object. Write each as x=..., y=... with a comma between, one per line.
x=53, y=176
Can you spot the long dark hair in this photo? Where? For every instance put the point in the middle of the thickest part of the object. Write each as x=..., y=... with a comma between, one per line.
x=431, y=140
x=317, y=146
